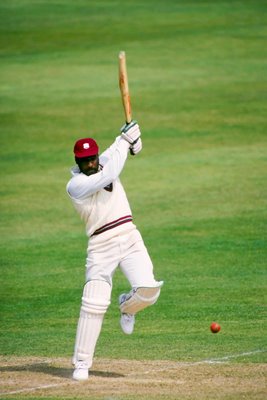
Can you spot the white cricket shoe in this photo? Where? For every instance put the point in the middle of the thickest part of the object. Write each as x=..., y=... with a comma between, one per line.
x=127, y=320
x=81, y=372
x=127, y=323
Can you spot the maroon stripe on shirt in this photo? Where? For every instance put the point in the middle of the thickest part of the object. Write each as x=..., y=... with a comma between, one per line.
x=113, y=224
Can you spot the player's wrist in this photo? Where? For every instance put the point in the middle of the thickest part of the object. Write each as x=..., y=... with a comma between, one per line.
x=124, y=143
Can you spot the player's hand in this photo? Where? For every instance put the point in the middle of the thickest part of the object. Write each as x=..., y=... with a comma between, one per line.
x=136, y=147
x=131, y=132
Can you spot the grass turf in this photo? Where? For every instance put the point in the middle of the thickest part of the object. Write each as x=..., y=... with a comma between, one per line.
x=198, y=190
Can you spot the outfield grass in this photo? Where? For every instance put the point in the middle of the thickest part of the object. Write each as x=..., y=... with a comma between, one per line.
x=198, y=191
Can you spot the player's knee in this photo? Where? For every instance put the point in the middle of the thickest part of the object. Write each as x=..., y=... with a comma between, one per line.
x=140, y=298
x=96, y=297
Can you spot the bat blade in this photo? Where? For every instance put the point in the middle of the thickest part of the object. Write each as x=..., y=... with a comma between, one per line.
x=124, y=87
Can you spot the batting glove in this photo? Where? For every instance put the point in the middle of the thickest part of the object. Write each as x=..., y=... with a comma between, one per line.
x=131, y=132
x=136, y=147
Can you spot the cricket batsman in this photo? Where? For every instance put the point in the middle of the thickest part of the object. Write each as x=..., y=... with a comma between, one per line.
x=114, y=241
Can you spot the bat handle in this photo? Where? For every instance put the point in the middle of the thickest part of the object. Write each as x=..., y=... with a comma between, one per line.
x=128, y=125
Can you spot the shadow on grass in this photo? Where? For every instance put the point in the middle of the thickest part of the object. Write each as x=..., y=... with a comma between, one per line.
x=56, y=371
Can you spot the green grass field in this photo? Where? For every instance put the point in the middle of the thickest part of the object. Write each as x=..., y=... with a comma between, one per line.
x=198, y=191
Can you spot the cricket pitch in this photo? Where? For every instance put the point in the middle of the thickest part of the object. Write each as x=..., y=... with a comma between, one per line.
x=33, y=377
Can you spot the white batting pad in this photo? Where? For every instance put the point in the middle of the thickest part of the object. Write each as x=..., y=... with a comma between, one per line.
x=140, y=298
x=95, y=302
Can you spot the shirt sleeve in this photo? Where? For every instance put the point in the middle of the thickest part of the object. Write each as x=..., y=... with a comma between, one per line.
x=82, y=186
x=107, y=154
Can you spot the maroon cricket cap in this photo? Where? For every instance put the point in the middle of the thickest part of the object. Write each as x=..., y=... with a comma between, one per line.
x=85, y=148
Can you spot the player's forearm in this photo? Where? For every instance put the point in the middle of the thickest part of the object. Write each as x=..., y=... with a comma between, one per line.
x=107, y=154
x=112, y=169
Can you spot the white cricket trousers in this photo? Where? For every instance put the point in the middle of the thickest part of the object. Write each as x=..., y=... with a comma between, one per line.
x=126, y=251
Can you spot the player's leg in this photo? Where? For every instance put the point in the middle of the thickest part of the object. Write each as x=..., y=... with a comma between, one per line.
x=138, y=269
x=134, y=301
x=101, y=263
x=95, y=302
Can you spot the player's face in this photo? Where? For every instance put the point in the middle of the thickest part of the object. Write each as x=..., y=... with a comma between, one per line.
x=89, y=165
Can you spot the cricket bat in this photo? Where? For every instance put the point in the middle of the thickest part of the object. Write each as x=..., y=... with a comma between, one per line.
x=124, y=87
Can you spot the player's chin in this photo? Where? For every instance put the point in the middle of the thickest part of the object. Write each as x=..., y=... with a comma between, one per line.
x=91, y=172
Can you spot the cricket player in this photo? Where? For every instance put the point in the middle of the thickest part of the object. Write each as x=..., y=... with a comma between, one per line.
x=114, y=241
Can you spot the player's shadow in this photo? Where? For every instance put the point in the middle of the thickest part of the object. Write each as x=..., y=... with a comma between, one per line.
x=45, y=368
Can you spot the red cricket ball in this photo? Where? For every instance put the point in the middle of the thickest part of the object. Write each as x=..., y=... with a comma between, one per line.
x=215, y=327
